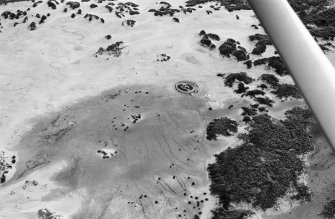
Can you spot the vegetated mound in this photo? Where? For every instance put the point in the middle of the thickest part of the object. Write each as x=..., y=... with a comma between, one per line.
x=231, y=78
x=230, y=5
x=206, y=39
x=232, y=47
x=114, y=49
x=275, y=62
x=316, y=12
x=286, y=91
x=222, y=126
x=267, y=164
x=262, y=41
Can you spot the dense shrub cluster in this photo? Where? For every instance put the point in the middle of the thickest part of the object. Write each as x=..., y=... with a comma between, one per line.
x=231, y=47
x=206, y=42
x=222, y=126
x=270, y=79
x=286, y=91
x=262, y=41
x=233, y=77
x=266, y=165
x=275, y=62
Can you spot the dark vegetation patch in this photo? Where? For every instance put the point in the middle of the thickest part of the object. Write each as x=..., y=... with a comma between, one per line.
x=206, y=39
x=222, y=213
x=130, y=23
x=112, y=50
x=254, y=93
x=316, y=12
x=47, y=214
x=266, y=165
x=231, y=78
x=166, y=9
x=270, y=79
x=286, y=91
x=5, y=165
x=122, y=9
x=264, y=101
x=262, y=41
x=222, y=126
x=231, y=47
x=241, y=88
x=274, y=62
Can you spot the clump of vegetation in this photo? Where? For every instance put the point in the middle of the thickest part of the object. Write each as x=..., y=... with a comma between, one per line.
x=254, y=93
x=270, y=79
x=241, y=54
x=241, y=88
x=262, y=61
x=262, y=41
x=221, y=213
x=248, y=111
x=264, y=101
x=286, y=91
x=266, y=165
x=275, y=62
x=248, y=64
x=233, y=77
x=206, y=42
x=329, y=209
x=222, y=126
x=228, y=47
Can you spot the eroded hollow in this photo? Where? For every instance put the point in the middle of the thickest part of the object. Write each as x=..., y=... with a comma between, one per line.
x=158, y=137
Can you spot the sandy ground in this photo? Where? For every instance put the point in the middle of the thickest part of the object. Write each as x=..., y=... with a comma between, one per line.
x=51, y=84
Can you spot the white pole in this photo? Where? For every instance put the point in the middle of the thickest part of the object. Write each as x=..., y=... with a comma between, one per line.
x=309, y=67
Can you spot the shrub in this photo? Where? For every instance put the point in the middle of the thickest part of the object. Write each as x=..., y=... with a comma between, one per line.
x=241, y=77
x=241, y=55
x=286, y=91
x=222, y=126
x=259, y=49
x=270, y=79
x=266, y=165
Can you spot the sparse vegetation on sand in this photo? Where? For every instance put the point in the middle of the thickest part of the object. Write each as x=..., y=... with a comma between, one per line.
x=222, y=126
x=266, y=165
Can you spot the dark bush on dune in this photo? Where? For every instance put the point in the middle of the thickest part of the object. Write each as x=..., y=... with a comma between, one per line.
x=262, y=61
x=277, y=63
x=214, y=36
x=259, y=49
x=266, y=165
x=248, y=111
x=233, y=77
x=228, y=47
x=270, y=79
x=241, y=55
x=241, y=88
x=286, y=91
x=264, y=101
x=221, y=213
x=253, y=93
x=222, y=126
x=248, y=64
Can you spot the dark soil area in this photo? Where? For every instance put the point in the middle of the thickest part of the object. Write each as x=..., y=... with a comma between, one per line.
x=266, y=165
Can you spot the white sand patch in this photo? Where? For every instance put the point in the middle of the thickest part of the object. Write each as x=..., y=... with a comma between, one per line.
x=25, y=197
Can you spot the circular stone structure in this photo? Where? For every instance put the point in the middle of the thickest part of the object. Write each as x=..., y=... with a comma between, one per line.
x=186, y=87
